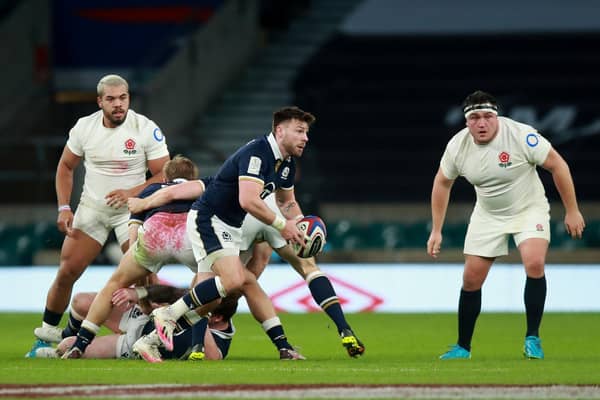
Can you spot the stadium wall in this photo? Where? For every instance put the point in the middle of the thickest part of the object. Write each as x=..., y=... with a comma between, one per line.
x=361, y=287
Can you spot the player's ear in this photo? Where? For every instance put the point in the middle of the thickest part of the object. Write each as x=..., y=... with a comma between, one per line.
x=99, y=101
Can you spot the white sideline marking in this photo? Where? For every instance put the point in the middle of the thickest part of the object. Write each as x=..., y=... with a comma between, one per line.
x=314, y=391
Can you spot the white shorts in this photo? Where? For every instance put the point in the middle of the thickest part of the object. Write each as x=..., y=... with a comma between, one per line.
x=255, y=231
x=488, y=235
x=162, y=239
x=132, y=323
x=97, y=223
x=211, y=239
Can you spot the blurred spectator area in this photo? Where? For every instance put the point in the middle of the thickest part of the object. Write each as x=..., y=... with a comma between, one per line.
x=387, y=106
x=386, y=88
x=393, y=233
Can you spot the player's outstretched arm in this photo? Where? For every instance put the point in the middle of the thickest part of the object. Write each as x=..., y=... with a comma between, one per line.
x=118, y=197
x=182, y=191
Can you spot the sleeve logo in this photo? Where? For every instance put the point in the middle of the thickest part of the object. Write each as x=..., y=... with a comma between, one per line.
x=158, y=135
x=254, y=165
x=532, y=140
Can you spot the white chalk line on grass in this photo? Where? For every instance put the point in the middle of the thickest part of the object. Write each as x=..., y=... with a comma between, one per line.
x=303, y=391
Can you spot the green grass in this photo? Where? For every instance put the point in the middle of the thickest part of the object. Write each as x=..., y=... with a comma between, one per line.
x=401, y=348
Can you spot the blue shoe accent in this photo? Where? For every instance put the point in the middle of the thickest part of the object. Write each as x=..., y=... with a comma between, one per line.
x=456, y=352
x=38, y=344
x=533, y=348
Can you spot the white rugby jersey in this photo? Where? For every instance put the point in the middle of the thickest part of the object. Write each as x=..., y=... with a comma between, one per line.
x=502, y=171
x=115, y=158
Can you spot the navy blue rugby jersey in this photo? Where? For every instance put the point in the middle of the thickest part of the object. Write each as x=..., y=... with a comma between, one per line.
x=174, y=207
x=259, y=161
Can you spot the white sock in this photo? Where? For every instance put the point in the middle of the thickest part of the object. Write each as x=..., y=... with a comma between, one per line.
x=90, y=326
x=179, y=308
x=271, y=322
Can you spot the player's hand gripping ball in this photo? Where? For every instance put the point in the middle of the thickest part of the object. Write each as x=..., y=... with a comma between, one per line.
x=315, y=234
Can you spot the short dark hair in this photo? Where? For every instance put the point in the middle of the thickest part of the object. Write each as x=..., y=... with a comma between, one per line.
x=479, y=97
x=227, y=307
x=180, y=167
x=292, y=112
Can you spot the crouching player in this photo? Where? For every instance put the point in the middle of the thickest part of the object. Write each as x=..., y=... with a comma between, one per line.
x=209, y=339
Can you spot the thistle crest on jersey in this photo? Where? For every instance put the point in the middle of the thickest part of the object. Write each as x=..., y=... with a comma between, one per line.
x=315, y=234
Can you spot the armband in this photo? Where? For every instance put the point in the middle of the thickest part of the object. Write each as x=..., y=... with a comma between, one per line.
x=278, y=223
x=141, y=291
x=64, y=207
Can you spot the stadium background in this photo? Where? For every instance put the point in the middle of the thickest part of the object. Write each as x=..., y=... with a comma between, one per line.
x=385, y=79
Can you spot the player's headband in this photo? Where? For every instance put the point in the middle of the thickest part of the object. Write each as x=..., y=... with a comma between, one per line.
x=485, y=107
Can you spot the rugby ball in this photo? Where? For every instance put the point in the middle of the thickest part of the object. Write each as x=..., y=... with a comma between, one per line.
x=315, y=234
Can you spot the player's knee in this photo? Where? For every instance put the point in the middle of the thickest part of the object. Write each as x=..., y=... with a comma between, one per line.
x=81, y=303
x=67, y=275
x=535, y=267
x=119, y=280
x=238, y=279
x=472, y=281
x=233, y=281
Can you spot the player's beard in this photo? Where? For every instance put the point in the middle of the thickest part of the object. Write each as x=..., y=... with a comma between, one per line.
x=116, y=121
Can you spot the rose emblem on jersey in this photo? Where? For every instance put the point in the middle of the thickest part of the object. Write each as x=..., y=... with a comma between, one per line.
x=504, y=158
x=129, y=147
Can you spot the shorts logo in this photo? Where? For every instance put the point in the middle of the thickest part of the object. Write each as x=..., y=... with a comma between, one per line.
x=158, y=135
x=532, y=140
x=129, y=147
x=285, y=173
x=226, y=237
x=254, y=165
x=539, y=227
x=504, y=158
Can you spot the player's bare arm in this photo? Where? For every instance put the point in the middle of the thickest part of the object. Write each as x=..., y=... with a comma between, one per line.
x=286, y=201
x=64, y=186
x=440, y=195
x=251, y=202
x=118, y=197
x=561, y=174
x=182, y=191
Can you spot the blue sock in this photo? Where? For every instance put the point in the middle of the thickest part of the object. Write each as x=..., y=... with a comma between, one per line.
x=51, y=317
x=278, y=337
x=203, y=293
x=469, y=307
x=535, y=298
x=325, y=296
x=84, y=338
x=72, y=327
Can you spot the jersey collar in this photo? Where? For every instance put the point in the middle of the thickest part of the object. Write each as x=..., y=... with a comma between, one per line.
x=274, y=146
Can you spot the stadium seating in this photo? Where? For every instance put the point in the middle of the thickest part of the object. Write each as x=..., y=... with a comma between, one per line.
x=19, y=244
